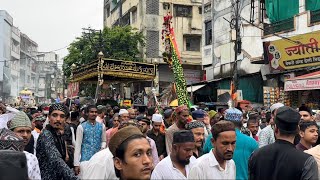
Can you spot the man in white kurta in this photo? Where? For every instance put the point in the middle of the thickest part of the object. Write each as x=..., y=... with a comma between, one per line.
x=177, y=164
x=166, y=170
x=218, y=163
x=207, y=167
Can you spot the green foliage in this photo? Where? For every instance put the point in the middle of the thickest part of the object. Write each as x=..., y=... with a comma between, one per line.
x=117, y=43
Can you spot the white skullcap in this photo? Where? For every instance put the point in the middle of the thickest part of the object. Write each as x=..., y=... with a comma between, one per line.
x=123, y=111
x=157, y=118
x=276, y=106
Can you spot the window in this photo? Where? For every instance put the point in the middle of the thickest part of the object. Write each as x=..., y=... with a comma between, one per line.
x=200, y=10
x=108, y=11
x=152, y=7
x=208, y=33
x=134, y=16
x=183, y=11
x=192, y=43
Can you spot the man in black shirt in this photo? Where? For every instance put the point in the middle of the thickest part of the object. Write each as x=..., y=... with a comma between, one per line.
x=157, y=136
x=281, y=160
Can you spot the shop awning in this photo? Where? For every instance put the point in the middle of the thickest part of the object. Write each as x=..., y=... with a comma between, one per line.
x=305, y=82
x=195, y=88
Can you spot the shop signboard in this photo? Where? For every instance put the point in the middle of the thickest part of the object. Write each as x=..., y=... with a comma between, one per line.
x=302, y=84
x=295, y=52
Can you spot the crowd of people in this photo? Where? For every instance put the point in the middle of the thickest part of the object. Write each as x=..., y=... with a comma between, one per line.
x=104, y=142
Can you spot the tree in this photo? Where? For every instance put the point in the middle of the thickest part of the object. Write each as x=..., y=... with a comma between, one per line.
x=119, y=42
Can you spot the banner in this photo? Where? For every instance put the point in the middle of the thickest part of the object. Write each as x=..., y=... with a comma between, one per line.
x=298, y=52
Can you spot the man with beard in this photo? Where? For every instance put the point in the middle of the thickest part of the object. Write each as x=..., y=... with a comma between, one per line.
x=123, y=115
x=145, y=125
x=158, y=136
x=90, y=138
x=253, y=126
x=132, y=154
x=245, y=144
x=177, y=164
x=180, y=118
x=218, y=163
x=51, y=147
x=281, y=160
x=21, y=126
x=197, y=129
x=38, y=122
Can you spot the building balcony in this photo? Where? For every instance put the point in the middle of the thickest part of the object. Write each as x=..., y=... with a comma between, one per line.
x=314, y=16
x=281, y=26
x=14, y=54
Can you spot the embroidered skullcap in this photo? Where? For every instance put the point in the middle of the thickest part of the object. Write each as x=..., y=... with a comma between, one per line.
x=180, y=109
x=182, y=136
x=19, y=120
x=123, y=111
x=212, y=113
x=233, y=114
x=10, y=141
x=194, y=124
x=157, y=118
x=197, y=114
x=121, y=135
x=40, y=118
x=59, y=107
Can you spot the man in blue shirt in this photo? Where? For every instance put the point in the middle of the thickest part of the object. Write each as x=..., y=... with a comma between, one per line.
x=245, y=145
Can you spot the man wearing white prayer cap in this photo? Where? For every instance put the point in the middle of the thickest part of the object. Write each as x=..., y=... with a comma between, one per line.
x=123, y=115
x=157, y=136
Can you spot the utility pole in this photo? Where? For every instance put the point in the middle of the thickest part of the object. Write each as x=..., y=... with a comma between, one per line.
x=237, y=50
x=99, y=49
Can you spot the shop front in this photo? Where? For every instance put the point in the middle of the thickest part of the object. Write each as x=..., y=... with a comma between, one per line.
x=304, y=89
x=292, y=60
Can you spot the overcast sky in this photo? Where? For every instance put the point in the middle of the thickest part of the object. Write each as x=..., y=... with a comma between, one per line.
x=54, y=24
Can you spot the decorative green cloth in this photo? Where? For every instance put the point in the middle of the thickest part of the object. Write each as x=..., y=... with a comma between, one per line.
x=278, y=10
x=312, y=5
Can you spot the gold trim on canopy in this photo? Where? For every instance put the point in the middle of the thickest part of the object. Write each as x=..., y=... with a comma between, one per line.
x=114, y=68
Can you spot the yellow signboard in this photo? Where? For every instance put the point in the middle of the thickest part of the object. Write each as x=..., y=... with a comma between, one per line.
x=295, y=52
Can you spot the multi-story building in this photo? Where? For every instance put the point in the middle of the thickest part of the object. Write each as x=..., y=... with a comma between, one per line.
x=147, y=17
x=6, y=22
x=49, y=76
x=28, y=63
x=218, y=55
x=23, y=67
x=14, y=64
